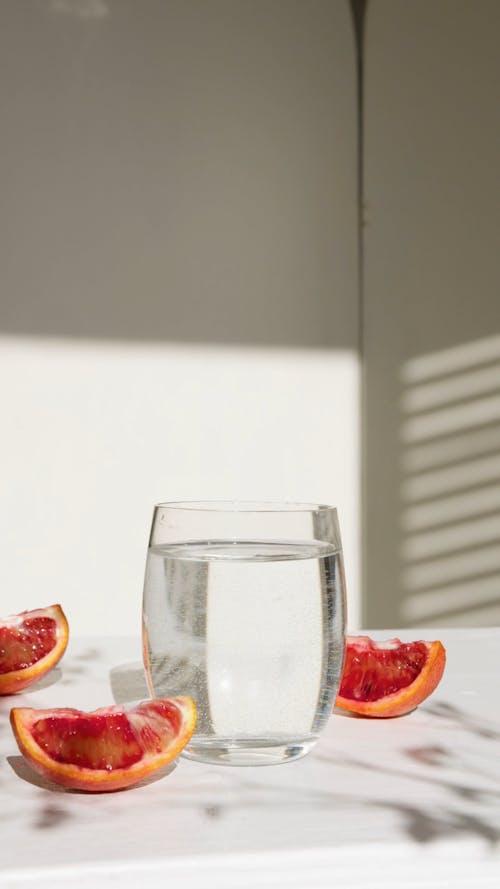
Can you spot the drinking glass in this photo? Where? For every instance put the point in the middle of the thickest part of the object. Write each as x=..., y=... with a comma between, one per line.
x=244, y=610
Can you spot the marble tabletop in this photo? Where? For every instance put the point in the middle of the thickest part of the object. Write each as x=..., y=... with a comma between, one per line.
x=411, y=802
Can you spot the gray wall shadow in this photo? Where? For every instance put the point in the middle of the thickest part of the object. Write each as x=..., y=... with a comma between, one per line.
x=179, y=172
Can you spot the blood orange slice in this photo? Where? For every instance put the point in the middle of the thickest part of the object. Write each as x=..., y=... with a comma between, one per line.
x=107, y=749
x=31, y=643
x=388, y=678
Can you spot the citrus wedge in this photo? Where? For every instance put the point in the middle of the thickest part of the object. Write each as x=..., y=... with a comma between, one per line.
x=31, y=643
x=107, y=749
x=390, y=678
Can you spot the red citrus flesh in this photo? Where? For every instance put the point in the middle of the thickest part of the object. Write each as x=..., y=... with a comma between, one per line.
x=31, y=644
x=391, y=678
x=107, y=749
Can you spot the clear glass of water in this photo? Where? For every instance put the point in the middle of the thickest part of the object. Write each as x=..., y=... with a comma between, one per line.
x=244, y=610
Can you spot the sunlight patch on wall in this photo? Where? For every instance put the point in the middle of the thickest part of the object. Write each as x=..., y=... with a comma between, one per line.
x=94, y=433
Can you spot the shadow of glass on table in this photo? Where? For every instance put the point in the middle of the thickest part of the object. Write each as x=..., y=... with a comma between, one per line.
x=128, y=683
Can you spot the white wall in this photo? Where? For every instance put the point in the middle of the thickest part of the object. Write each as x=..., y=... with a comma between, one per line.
x=179, y=313
x=432, y=313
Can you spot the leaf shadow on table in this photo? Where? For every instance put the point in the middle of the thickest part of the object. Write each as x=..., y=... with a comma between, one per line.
x=421, y=826
x=463, y=801
x=489, y=731
x=424, y=826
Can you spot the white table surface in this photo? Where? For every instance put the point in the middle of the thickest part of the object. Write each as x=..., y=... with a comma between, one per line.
x=409, y=802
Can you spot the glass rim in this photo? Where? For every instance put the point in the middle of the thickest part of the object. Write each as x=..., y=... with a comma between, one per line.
x=256, y=506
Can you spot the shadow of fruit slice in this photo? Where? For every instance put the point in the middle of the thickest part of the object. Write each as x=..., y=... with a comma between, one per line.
x=31, y=644
x=384, y=679
x=108, y=749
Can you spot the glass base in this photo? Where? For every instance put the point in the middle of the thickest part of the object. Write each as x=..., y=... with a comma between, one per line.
x=248, y=752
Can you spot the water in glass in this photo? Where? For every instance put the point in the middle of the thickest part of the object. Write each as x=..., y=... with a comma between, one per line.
x=253, y=631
